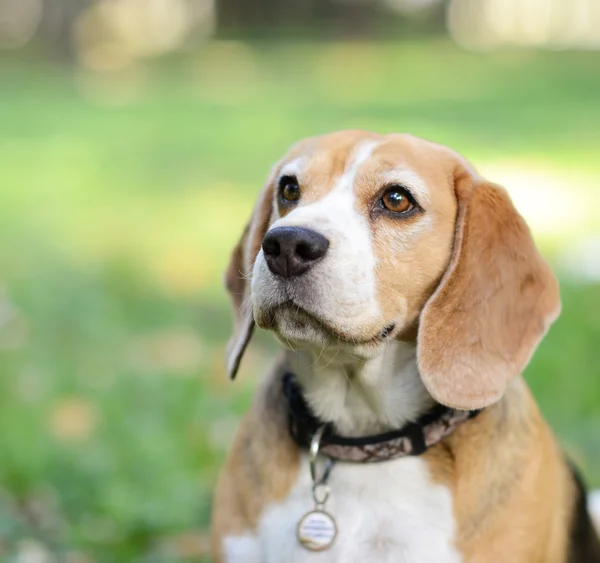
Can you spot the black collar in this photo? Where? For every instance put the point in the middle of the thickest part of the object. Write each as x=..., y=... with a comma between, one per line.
x=414, y=438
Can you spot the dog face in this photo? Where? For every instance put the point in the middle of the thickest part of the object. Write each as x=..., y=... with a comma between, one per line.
x=361, y=233
x=359, y=238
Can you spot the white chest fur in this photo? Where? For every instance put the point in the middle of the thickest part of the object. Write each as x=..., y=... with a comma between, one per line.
x=386, y=512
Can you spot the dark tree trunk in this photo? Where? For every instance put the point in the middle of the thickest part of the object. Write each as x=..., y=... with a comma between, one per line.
x=56, y=27
x=345, y=18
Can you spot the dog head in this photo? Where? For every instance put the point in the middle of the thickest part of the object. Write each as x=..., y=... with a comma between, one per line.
x=360, y=238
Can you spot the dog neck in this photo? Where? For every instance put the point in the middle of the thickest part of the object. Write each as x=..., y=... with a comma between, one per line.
x=361, y=397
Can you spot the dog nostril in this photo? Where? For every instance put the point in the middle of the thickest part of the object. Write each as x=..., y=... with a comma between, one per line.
x=305, y=251
x=271, y=247
x=312, y=247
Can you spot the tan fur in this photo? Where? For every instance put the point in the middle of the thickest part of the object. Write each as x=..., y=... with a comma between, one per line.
x=261, y=466
x=511, y=487
x=408, y=274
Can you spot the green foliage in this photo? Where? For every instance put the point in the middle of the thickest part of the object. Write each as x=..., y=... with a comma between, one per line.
x=120, y=199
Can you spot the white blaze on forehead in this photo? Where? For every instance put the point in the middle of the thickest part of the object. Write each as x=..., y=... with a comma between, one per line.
x=336, y=210
x=360, y=156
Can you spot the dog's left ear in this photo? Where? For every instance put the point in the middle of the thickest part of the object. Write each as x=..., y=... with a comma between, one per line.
x=493, y=305
x=238, y=274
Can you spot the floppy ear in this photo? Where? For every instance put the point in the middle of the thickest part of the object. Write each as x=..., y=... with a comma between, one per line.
x=238, y=274
x=493, y=305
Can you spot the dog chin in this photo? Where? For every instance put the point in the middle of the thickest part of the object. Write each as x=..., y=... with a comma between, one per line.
x=293, y=327
x=297, y=329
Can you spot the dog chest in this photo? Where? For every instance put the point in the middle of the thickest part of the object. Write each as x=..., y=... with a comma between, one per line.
x=385, y=512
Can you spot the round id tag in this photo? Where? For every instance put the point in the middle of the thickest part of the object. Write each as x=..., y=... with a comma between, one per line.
x=317, y=530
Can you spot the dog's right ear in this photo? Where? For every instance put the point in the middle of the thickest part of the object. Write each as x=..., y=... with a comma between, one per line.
x=239, y=273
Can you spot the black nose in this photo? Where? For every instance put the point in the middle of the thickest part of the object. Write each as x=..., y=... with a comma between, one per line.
x=291, y=251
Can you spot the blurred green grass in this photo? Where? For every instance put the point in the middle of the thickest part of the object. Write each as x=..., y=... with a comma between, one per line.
x=121, y=196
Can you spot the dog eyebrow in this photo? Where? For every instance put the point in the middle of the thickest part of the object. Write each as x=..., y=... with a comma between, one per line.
x=291, y=168
x=411, y=180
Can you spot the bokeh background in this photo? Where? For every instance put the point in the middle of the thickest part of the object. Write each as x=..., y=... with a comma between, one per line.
x=134, y=136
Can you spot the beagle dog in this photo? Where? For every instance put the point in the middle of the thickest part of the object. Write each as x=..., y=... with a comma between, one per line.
x=396, y=426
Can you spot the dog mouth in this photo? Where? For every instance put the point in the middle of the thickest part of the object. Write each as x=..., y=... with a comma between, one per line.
x=301, y=320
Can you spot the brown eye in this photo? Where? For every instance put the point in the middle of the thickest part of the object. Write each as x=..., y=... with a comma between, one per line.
x=397, y=200
x=289, y=189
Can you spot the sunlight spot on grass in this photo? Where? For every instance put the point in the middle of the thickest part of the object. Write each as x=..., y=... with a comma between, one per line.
x=182, y=243
x=581, y=260
x=31, y=551
x=560, y=206
x=73, y=419
x=183, y=272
